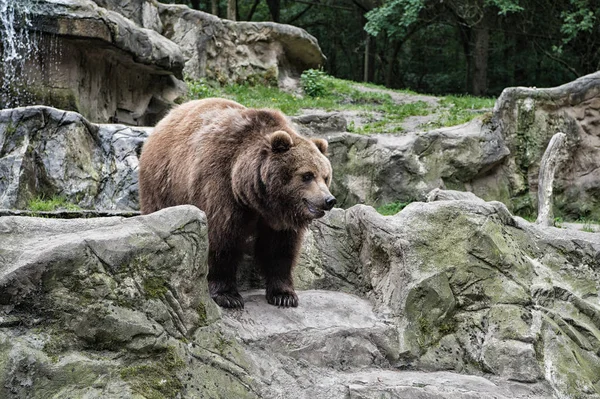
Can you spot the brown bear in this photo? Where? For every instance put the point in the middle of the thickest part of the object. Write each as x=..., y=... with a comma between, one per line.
x=252, y=175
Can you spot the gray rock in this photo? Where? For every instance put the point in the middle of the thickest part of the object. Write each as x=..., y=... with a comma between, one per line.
x=227, y=51
x=320, y=123
x=447, y=299
x=381, y=169
x=47, y=152
x=98, y=63
x=451, y=195
x=471, y=289
x=528, y=118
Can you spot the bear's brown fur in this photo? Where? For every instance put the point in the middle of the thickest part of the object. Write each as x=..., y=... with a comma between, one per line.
x=252, y=175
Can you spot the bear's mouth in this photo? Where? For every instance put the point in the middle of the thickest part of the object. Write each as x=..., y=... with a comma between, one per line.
x=313, y=210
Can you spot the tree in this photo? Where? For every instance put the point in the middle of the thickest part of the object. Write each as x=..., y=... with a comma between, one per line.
x=472, y=18
x=232, y=10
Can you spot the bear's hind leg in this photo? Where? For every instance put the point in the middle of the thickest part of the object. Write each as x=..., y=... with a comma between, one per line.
x=276, y=253
x=227, y=232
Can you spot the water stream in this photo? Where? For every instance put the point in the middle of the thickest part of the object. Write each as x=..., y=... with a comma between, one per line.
x=17, y=45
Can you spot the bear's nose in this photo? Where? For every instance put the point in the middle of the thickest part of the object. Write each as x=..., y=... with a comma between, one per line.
x=330, y=202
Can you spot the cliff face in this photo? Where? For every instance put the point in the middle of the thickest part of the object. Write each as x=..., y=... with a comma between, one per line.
x=448, y=299
x=124, y=62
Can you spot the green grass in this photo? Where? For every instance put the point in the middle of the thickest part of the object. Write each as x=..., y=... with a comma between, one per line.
x=41, y=204
x=339, y=95
x=456, y=110
x=392, y=208
x=590, y=226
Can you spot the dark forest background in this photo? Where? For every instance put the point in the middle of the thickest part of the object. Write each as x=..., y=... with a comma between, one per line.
x=440, y=46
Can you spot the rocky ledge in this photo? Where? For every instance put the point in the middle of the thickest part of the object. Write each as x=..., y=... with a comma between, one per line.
x=447, y=299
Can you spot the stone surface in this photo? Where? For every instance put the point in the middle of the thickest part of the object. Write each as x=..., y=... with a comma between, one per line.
x=528, y=118
x=471, y=289
x=446, y=299
x=47, y=152
x=97, y=62
x=227, y=51
x=384, y=168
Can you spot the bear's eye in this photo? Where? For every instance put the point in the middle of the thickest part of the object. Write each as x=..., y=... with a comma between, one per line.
x=308, y=176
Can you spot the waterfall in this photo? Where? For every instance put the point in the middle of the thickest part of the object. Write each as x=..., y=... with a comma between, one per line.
x=17, y=45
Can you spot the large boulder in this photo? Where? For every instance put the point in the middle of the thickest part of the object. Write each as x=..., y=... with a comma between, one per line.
x=528, y=118
x=114, y=307
x=84, y=58
x=471, y=289
x=45, y=152
x=385, y=168
x=227, y=51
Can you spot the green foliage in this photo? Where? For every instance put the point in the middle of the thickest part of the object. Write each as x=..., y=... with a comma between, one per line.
x=394, y=17
x=41, y=204
x=392, y=208
x=578, y=19
x=314, y=82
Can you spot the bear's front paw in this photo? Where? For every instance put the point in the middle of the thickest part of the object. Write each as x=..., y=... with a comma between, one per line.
x=284, y=299
x=232, y=300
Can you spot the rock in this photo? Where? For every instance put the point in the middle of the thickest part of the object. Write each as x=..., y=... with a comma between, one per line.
x=471, y=289
x=48, y=152
x=451, y=195
x=381, y=169
x=320, y=123
x=446, y=299
x=98, y=63
x=108, y=307
x=528, y=118
x=227, y=51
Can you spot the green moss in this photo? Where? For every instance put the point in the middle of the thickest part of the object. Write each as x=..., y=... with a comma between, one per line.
x=156, y=380
x=202, y=316
x=154, y=287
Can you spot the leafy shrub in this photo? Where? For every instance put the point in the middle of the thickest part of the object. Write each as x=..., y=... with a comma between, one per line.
x=198, y=89
x=314, y=82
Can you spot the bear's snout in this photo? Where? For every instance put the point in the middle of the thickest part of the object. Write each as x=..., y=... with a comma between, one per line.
x=330, y=202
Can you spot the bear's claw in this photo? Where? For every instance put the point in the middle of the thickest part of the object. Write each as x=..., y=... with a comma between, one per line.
x=229, y=300
x=283, y=300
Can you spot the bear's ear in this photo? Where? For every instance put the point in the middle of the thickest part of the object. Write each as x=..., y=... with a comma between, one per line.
x=280, y=141
x=321, y=145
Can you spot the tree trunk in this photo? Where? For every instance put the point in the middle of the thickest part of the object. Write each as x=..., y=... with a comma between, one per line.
x=232, y=10
x=481, y=43
x=391, y=62
x=214, y=7
x=546, y=178
x=195, y=4
x=367, y=70
x=465, y=39
x=274, y=9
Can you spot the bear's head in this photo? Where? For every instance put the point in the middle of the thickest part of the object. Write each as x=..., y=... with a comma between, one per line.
x=285, y=177
x=300, y=174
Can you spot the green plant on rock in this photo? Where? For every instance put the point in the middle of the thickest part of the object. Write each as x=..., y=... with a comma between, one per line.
x=392, y=208
x=314, y=82
x=42, y=204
